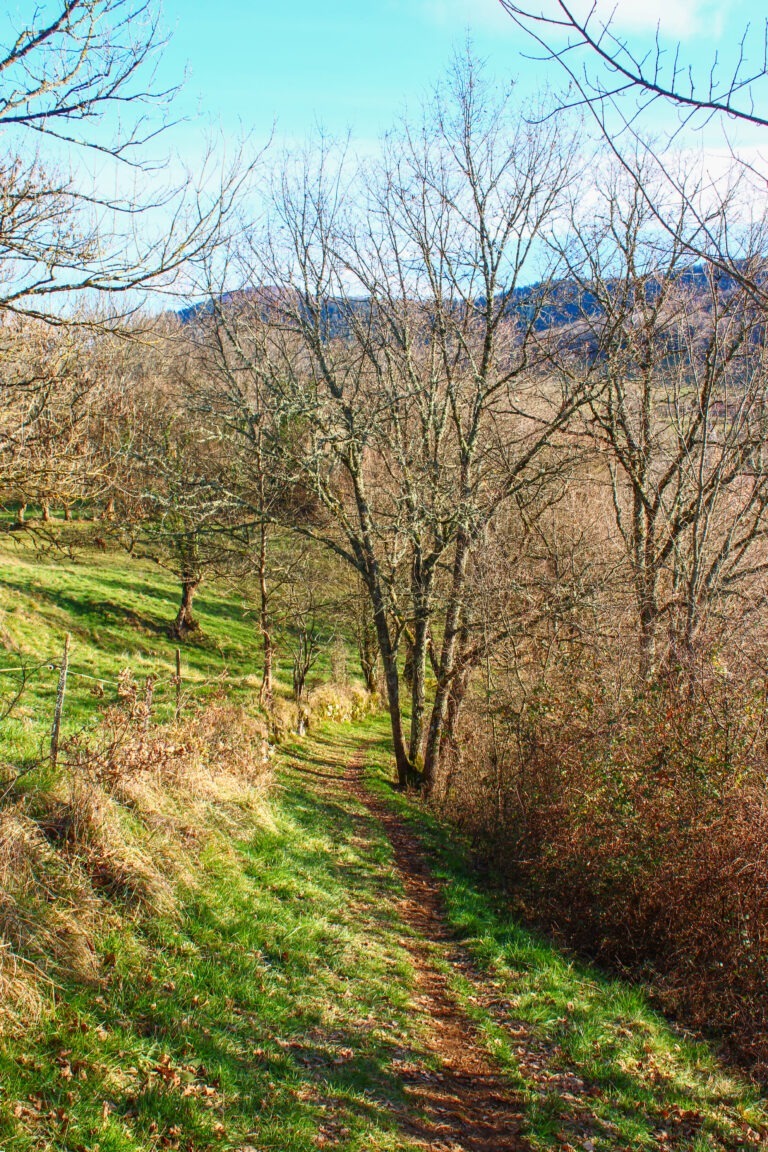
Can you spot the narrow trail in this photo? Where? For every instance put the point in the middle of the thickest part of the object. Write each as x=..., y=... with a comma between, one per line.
x=467, y=1105
x=583, y=1062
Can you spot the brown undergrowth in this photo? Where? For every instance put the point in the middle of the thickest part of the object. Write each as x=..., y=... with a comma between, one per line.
x=116, y=834
x=639, y=834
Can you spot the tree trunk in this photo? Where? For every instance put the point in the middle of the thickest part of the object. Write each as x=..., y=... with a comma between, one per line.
x=46, y=511
x=418, y=689
x=408, y=661
x=20, y=513
x=367, y=643
x=266, y=690
x=649, y=619
x=186, y=624
x=647, y=646
x=369, y=658
x=367, y=555
x=392, y=682
x=67, y=512
x=447, y=661
x=299, y=678
x=646, y=584
x=465, y=662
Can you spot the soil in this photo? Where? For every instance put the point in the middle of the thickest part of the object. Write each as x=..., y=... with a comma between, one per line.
x=467, y=1104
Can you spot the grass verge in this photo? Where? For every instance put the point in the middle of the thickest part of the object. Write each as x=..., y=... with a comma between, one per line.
x=269, y=1013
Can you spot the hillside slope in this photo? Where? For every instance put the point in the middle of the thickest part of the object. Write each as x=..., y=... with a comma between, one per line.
x=316, y=964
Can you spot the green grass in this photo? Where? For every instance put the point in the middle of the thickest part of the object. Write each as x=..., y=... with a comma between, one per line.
x=275, y=1012
x=599, y=1064
x=118, y=611
x=268, y=1018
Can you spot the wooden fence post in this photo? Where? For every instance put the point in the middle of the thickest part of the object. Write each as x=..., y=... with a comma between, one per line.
x=149, y=689
x=63, y=669
x=178, y=684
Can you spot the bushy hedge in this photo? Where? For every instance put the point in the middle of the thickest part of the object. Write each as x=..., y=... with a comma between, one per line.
x=638, y=833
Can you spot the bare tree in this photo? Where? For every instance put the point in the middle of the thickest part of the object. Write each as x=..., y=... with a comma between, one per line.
x=463, y=201
x=77, y=78
x=228, y=388
x=168, y=501
x=69, y=62
x=626, y=89
x=359, y=609
x=678, y=410
x=405, y=363
x=54, y=398
x=77, y=83
x=606, y=67
x=308, y=605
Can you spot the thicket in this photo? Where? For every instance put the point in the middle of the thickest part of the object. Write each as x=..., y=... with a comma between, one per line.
x=611, y=758
x=626, y=812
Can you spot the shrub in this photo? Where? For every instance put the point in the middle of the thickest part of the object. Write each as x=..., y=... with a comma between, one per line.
x=343, y=703
x=636, y=831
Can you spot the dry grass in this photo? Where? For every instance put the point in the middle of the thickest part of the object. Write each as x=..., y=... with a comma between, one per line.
x=334, y=703
x=344, y=704
x=47, y=916
x=117, y=835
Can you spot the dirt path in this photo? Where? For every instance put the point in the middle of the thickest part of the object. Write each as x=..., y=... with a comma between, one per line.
x=468, y=1105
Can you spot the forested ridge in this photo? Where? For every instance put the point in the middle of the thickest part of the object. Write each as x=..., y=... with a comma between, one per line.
x=382, y=601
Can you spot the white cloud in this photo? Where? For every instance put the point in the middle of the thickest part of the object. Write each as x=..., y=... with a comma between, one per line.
x=675, y=18
x=469, y=14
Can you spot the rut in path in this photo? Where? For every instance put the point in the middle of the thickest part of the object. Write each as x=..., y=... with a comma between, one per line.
x=468, y=1104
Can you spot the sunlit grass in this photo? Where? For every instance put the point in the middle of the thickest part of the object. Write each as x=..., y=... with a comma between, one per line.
x=274, y=1013
x=268, y=1017
x=118, y=611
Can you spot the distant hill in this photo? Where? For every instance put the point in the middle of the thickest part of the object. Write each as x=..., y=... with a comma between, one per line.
x=565, y=301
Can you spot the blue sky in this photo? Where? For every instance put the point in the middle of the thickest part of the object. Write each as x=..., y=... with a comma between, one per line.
x=348, y=64
x=342, y=63
x=353, y=64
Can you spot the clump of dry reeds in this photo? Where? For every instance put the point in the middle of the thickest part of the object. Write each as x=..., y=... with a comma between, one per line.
x=339, y=703
x=342, y=703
